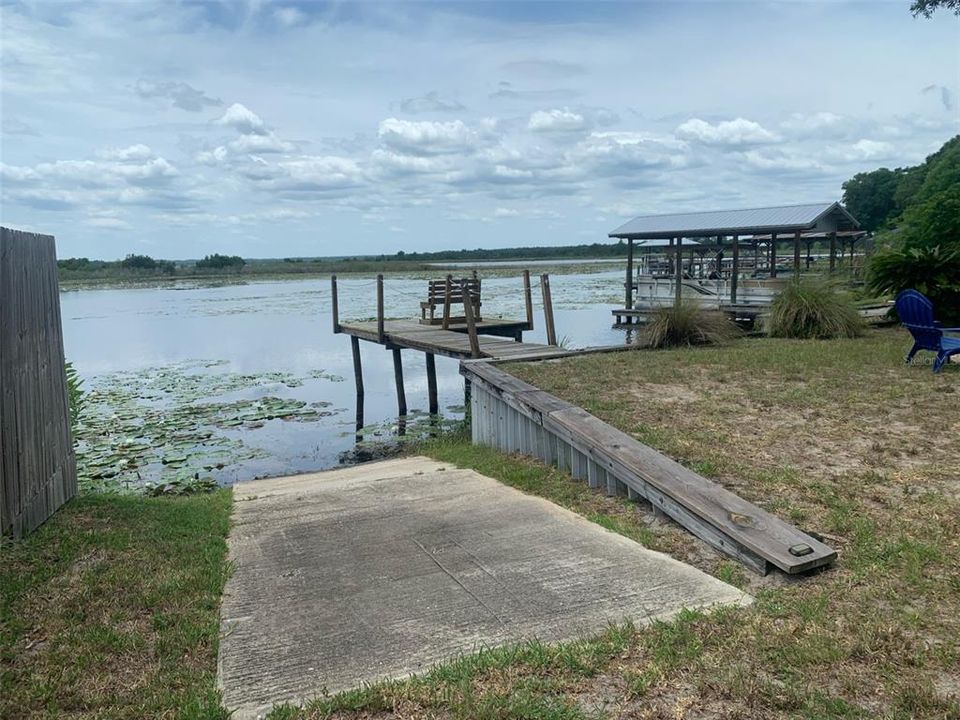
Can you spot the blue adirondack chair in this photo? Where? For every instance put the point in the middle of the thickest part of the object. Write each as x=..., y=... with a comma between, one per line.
x=916, y=314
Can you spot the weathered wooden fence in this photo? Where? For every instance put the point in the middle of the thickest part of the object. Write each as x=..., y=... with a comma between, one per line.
x=37, y=467
x=516, y=417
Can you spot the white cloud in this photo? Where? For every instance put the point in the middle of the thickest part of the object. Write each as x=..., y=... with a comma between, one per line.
x=726, y=134
x=426, y=137
x=242, y=119
x=564, y=121
x=862, y=150
x=217, y=156
x=782, y=162
x=133, y=152
x=256, y=144
x=506, y=213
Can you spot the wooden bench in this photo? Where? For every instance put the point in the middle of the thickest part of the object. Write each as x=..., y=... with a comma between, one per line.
x=438, y=297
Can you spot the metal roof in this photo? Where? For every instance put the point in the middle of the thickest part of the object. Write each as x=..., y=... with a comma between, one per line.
x=822, y=217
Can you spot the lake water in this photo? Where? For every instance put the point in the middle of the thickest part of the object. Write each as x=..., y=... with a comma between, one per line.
x=166, y=363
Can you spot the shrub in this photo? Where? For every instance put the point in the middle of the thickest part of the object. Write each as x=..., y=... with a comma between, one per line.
x=808, y=308
x=687, y=323
x=934, y=271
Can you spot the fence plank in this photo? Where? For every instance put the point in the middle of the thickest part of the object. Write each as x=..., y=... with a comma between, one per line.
x=37, y=466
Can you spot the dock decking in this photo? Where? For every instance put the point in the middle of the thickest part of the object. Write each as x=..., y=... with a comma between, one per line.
x=455, y=342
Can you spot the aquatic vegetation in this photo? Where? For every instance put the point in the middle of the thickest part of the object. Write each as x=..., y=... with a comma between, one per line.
x=166, y=430
x=75, y=393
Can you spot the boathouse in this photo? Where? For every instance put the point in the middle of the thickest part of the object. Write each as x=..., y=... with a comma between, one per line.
x=731, y=232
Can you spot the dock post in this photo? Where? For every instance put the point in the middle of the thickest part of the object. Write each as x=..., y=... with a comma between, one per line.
x=380, y=309
x=471, y=323
x=678, y=271
x=833, y=251
x=432, y=384
x=735, y=277
x=528, y=299
x=548, y=310
x=335, y=304
x=796, y=253
x=446, y=302
x=773, y=255
x=398, y=376
x=628, y=294
x=358, y=377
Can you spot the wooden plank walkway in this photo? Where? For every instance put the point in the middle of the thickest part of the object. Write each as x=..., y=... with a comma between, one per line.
x=515, y=416
x=455, y=342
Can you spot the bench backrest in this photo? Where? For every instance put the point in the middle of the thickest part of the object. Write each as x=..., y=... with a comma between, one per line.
x=437, y=290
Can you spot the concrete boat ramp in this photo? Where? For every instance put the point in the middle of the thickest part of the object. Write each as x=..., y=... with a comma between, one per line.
x=382, y=570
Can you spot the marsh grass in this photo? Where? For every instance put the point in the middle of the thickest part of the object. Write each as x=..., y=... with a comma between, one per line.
x=811, y=308
x=686, y=323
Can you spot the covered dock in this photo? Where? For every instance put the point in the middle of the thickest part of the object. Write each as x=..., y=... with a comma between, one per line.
x=734, y=231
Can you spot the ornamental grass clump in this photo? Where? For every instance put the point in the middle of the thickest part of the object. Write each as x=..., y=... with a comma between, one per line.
x=808, y=308
x=687, y=323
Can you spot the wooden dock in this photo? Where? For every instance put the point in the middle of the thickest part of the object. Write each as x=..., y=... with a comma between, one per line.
x=460, y=338
x=455, y=341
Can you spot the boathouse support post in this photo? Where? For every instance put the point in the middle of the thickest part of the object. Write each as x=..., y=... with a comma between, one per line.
x=471, y=322
x=335, y=305
x=833, y=251
x=756, y=256
x=398, y=376
x=380, y=309
x=446, y=301
x=548, y=310
x=431, y=383
x=773, y=255
x=678, y=271
x=528, y=299
x=735, y=276
x=628, y=285
x=796, y=253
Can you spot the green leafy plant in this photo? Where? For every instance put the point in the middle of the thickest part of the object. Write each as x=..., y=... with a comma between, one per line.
x=75, y=393
x=934, y=271
x=808, y=308
x=687, y=323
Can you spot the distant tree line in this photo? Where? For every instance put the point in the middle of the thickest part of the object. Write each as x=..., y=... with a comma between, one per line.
x=539, y=252
x=221, y=262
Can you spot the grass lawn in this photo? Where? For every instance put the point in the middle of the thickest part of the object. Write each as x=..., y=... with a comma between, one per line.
x=110, y=610
x=836, y=436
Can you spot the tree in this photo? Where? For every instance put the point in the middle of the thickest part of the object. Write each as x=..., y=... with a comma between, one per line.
x=871, y=197
x=926, y=7
x=221, y=262
x=139, y=262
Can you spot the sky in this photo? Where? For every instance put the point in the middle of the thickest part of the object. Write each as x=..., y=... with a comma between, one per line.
x=291, y=128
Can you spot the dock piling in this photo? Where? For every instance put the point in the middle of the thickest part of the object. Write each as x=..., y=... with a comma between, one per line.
x=335, y=304
x=380, y=309
x=471, y=321
x=446, y=303
x=398, y=376
x=432, y=383
x=528, y=299
x=548, y=310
